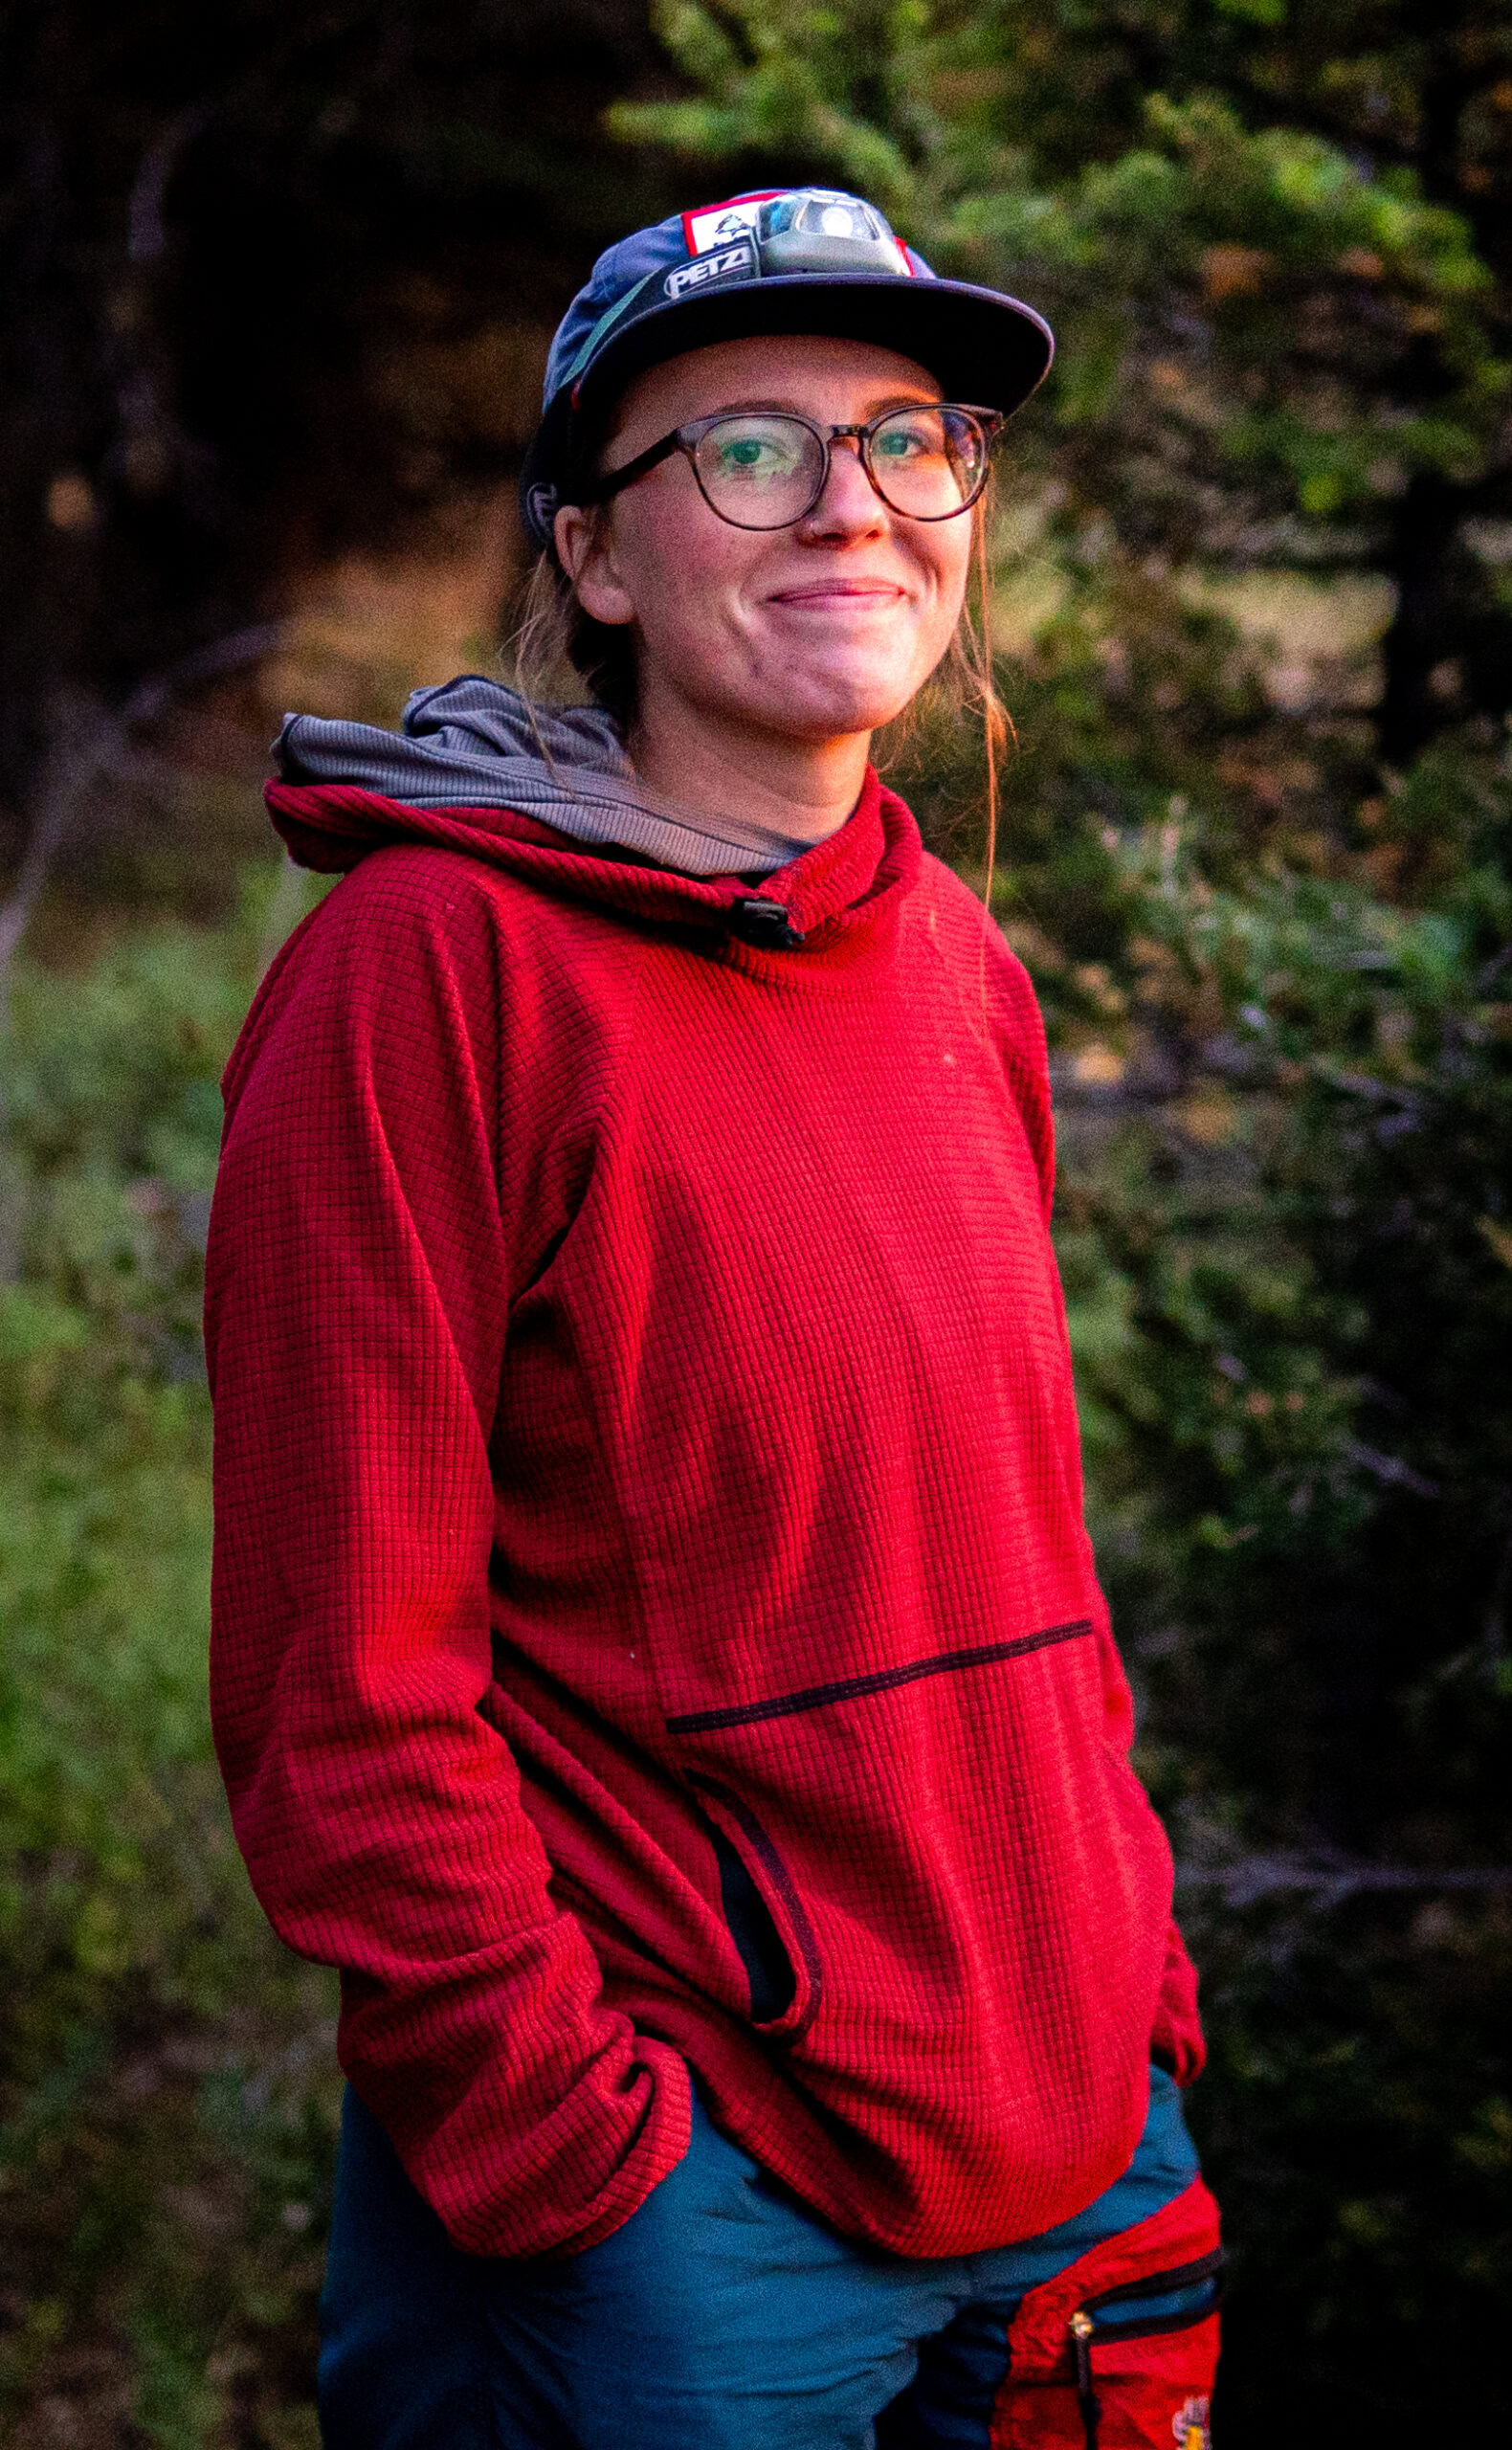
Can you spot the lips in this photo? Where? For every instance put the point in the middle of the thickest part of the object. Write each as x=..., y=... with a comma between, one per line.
x=861, y=594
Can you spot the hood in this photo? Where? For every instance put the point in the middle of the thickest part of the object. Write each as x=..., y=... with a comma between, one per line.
x=471, y=743
x=551, y=796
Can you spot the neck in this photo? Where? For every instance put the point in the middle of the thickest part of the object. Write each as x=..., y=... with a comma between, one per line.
x=804, y=788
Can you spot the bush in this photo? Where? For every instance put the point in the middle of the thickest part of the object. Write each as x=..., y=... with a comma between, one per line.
x=167, y=2089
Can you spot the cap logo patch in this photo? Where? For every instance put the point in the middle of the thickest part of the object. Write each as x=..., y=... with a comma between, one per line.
x=730, y=263
x=718, y=224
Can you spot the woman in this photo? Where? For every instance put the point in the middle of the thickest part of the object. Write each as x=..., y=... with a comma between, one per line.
x=656, y=1651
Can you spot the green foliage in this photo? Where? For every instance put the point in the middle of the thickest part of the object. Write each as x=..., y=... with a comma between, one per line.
x=1250, y=295
x=114, y=1120
x=782, y=79
x=166, y=2087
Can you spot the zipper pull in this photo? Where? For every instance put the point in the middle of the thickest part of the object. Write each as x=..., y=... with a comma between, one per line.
x=1081, y=2328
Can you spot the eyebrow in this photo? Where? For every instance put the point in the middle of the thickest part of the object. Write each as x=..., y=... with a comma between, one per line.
x=790, y=408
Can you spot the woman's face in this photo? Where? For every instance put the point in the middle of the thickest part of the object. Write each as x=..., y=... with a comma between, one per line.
x=811, y=632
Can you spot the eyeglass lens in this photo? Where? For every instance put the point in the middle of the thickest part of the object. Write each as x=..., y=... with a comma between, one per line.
x=763, y=469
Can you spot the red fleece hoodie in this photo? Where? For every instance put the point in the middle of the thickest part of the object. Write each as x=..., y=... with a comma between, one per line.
x=643, y=1409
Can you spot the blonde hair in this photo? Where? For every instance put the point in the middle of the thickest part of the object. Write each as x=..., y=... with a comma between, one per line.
x=553, y=635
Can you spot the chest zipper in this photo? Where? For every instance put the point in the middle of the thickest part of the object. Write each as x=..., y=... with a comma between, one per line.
x=1083, y=2329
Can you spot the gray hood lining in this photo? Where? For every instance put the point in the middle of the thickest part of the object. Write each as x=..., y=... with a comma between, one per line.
x=471, y=743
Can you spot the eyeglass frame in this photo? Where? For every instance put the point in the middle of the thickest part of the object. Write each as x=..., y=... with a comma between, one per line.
x=686, y=438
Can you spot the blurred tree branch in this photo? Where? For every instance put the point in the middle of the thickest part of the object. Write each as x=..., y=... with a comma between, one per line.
x=87, y=742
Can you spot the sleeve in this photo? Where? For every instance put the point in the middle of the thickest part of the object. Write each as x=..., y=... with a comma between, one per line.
x=356, y=1305
x=1176, y=2040
x=1176, y=2037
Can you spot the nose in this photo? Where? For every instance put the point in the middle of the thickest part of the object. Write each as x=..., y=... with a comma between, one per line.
x=850, y=504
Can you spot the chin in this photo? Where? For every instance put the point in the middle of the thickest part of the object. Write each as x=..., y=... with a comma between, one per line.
x=825, y=706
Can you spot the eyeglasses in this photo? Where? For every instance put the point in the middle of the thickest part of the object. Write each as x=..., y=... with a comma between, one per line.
x=767, y=467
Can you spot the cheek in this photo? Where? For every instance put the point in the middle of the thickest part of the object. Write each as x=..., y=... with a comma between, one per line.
x=946, y=551
x=685, y=572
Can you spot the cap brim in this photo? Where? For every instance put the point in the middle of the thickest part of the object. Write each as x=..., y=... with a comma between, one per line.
x=980, y=346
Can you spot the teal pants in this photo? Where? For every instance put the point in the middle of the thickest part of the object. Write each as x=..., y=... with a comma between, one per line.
x=722, y=2316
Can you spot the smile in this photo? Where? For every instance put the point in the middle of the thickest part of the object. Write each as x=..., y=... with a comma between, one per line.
x=861, y=598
